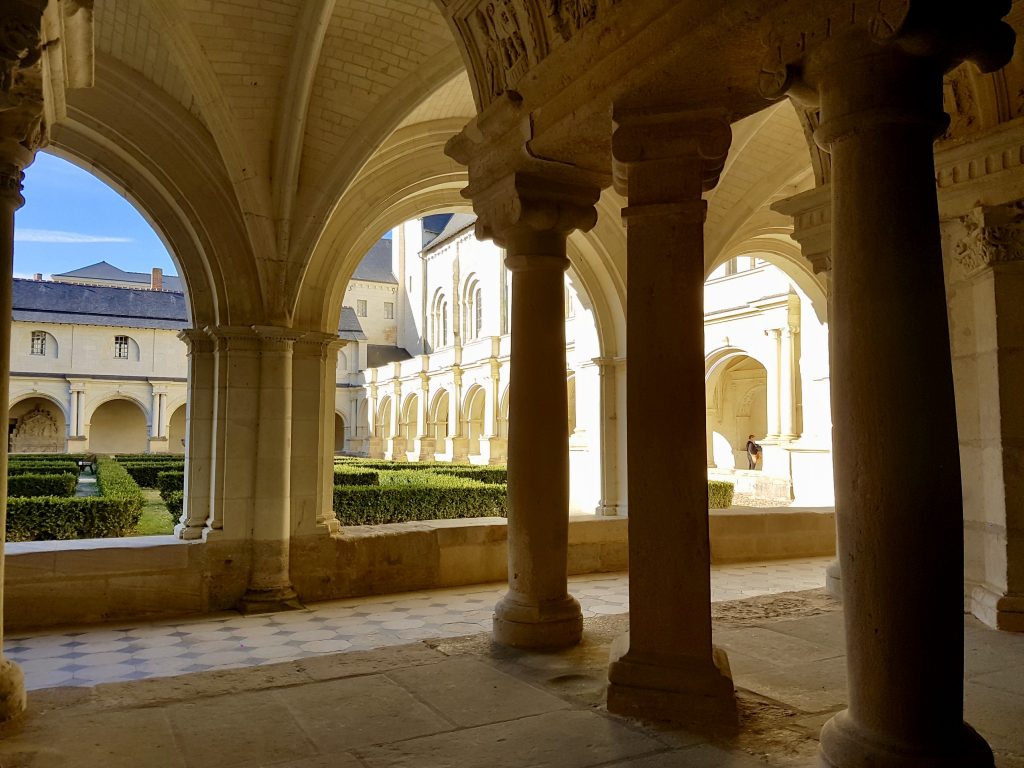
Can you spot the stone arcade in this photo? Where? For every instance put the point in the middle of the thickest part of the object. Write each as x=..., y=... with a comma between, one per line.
x=272, y=142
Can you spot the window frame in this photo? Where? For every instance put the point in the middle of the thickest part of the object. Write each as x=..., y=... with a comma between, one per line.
x=122, y=346
x=361, y=308
x=38, y=350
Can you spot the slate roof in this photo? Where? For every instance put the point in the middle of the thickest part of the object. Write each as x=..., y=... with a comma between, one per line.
x=376, y=265
x=349, y=327
x=103, y=270
x=434, y=225
x=44, y=301
x=457, y=224
x=382, y=354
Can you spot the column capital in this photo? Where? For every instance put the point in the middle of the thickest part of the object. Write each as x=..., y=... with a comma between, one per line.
x=987, y=236
x=532, y=205
x=197, y=341
x=673, y=154
x=22, y=130
x=317, y=344
x=812, y=53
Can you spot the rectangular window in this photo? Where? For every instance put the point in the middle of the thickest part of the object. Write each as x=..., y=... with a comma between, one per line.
x=39, y=342
x=361, y=307
x=389, y=310
x=121, y=347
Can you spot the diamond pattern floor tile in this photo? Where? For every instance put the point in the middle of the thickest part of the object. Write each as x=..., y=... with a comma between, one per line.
x=87, y=656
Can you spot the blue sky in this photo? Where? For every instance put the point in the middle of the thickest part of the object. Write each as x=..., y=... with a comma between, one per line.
x=72, y=219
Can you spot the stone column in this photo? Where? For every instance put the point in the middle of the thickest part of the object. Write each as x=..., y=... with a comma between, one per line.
x=14, y=157
x=77, y=392
x=879, y=79
x=530, y=216
x=270, y=587
x=157, y=432
x=21, y=133
x=773, y=394
x=612, y=496
x=374, y=440
x=397, y=444
x=787, y=383
x=460, y=443
x=425, y=442
x=666, y=667
x=198, y=433
x=314, y=373
x=497, y=445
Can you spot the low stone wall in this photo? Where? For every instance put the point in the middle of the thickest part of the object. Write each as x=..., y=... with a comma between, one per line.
x=743, y=534
x=81, y=582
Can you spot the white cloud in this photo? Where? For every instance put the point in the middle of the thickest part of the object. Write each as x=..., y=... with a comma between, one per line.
x=57, y=236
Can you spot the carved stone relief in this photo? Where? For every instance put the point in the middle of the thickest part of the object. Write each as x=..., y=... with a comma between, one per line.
x=570, y=16
x=960, y=104
x=36, y=432
x=502, y=43
x=991, y=236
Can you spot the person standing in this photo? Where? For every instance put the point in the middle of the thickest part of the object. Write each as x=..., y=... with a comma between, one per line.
x=753, y=452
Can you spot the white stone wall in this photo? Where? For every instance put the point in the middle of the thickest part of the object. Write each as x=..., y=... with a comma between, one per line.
x=378, y=328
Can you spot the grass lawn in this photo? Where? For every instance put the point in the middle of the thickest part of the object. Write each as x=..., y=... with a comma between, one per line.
x=155, y=518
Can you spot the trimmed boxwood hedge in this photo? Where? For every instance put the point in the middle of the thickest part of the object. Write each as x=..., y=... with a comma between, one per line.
x=140, y=458
x=145, y=473
x=42, y=485
x=169, y=481
x=53, y=468
x=345, y=476
x=174, y=501
x=485, y=474
x=376, y=505
x=719, y=494
x=115, y=512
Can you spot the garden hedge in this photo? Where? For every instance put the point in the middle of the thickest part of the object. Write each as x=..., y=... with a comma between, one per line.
x=485, y=474
x=42, y=484
x=115, y=512
x=170, y=481
x=145, y=473
x=53, y=468
x=174, y=501
x=376, y=505
x=719, y=494
x=345, y=476
x=137, y=458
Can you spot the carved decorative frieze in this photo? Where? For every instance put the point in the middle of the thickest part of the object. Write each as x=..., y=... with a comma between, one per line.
x=570, y=16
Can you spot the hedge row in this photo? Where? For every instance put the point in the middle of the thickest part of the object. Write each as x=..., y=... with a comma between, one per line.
x=137, y=458
x=377, y=505
x=47, y=456
x=146, y=473
x=485, y=474
x=719, y=494
x=174, y=501
x=115, y=512
x=54, y=468
x=42, y=484
x=170, y=481
x=346, y=476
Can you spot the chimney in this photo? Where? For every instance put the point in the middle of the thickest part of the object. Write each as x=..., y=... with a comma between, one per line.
x=38, y=277
x=156, y=280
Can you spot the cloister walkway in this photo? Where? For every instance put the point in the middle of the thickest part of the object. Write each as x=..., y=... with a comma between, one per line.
x=122, y=652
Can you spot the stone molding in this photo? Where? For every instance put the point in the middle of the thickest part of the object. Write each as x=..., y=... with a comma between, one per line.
x=812, y=224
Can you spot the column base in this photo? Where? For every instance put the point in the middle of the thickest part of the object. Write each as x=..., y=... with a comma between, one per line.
x=425, y=447
x=696, y=692
x=844, y=744
x=269, y=601
x=189, y=533
x=460, y=450
x=521, y=623
x=12, y=690
x=999, y=610
x=158, y=445
x=397, y=449
x=498, y=450
x=833, y=580
x=375, y=448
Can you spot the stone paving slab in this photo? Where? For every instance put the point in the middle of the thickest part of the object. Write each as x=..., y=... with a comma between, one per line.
x=464, y=702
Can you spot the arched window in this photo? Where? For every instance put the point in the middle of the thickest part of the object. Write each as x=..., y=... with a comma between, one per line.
x=126, y=348
x=478, y=308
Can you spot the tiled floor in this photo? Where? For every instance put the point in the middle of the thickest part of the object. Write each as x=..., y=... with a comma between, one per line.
x=119, y=653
